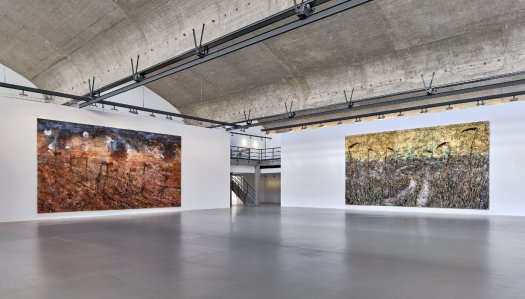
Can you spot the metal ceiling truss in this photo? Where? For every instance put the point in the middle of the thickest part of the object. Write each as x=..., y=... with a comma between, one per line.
x=133, y=109
x=44, y=92
x=381, y=114
x=333, y=10
x=204, y=48
x=411, y=96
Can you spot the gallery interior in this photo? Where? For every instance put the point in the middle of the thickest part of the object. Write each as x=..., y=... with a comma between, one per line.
x=262, y=149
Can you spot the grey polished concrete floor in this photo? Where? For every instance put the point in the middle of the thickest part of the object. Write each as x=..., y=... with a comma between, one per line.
x=265, y=252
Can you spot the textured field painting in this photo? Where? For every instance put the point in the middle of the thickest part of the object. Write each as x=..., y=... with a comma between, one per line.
x=87, y=168
x=439, y=167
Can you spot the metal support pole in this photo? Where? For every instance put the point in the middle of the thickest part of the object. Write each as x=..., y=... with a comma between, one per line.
x=257, y=183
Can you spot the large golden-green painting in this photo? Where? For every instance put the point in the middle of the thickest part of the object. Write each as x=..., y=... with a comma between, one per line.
x=438, y=167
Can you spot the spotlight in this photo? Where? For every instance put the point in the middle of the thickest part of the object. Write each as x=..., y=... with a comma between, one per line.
x=449, y=107
x=358, y=120
x=152, y=114
x=114, y=108
x=339, y=122
x=303, y=127
x=400, y=114
x=514, y=99
x=169, y=117
x=381, y=116
x=423, y=110
x=480, y=103
x=321, y=125
x=23, y=94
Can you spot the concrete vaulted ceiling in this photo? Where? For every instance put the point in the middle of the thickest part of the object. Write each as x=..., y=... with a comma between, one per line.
x=378, y=48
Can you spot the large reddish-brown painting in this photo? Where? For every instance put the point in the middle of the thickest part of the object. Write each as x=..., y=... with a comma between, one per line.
x=88, y=168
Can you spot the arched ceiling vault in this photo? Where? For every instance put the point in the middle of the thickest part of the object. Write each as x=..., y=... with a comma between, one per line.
x=378, y=48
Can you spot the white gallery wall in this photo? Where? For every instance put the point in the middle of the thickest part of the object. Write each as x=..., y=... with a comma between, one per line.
x=205, y=158
x=313, y=161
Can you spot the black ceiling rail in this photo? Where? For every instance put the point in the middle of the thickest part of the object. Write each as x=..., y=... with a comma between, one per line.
x=336, y=9
x=120, y=105
x=280, y=16
x=250, y=135
x=421, y=95
x=162, y=112
x=339, y=106
x=424, y=109
x=44, y=91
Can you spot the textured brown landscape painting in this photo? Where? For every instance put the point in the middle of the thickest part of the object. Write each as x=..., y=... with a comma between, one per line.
x=439, y=167
x=87, y=168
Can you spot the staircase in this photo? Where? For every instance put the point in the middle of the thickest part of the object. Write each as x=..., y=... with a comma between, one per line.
x=242, y=189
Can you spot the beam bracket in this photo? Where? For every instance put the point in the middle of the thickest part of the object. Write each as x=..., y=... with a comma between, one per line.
x=349, y=102
x=137, y=77
x=200, y=50
x=247, y=118
x=430, y=88
x=291, y=114
x=303, y=10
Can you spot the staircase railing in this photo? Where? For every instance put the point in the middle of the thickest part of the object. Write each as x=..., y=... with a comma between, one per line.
x=242, y=189
x=255, y=154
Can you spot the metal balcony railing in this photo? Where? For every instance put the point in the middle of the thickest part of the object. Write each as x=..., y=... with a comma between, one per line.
x=255, y=154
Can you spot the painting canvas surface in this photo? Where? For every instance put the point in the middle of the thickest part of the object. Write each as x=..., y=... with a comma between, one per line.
x=87, y=168
x=439, y=167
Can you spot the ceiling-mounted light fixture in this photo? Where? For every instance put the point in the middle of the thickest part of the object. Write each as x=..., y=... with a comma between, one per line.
x=449, y=107
x=114, y=108
x=480, y=103
x=168, y=117
x=423, y=110
x=400, y=114
x=303, y=127
x=23, y=94
x=152, y=114
x=514, y=99
x=358, y=120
